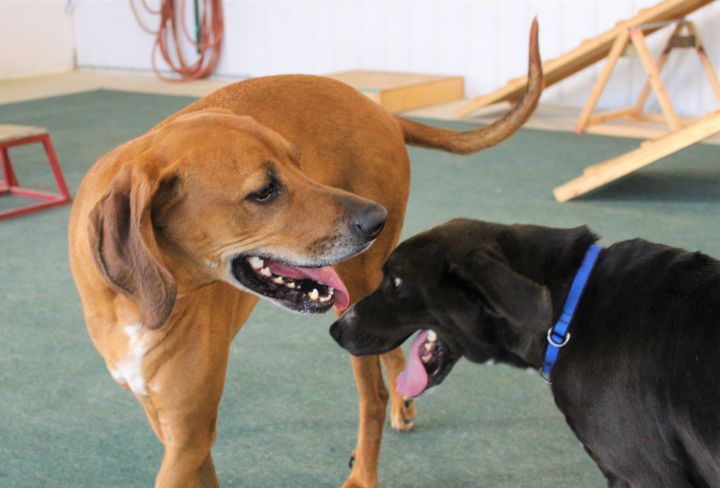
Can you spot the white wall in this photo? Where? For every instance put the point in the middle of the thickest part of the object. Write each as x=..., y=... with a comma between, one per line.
x=36, y=37
x=483, y=40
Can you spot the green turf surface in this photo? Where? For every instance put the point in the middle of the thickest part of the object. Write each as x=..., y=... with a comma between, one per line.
x=288, y=415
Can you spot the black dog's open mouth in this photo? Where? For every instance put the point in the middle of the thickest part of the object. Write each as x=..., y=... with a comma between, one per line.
x=428, y=363
x=306, y=290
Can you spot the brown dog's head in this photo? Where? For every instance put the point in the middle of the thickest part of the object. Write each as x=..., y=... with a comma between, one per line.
x=214, y=196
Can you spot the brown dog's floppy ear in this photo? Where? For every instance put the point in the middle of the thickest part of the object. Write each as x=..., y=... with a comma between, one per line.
x=524, y=304
x=124, y=246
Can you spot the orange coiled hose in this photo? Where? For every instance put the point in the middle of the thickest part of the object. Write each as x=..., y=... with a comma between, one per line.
x=168, y=39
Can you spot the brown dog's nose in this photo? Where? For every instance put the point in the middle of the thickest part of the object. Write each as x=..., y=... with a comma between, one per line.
x=370, y=222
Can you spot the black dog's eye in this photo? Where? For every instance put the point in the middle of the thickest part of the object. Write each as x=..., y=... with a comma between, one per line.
x=265, y=194
x=396, y=282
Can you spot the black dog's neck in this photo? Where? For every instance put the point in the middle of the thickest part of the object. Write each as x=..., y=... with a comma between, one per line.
x=550, y=258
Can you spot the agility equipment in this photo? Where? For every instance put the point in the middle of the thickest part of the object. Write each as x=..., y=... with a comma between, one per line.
x=631, y=42
x=650, y=151
x=18, y=135
x=627, y=37
x=397, y=92
x=589, y=51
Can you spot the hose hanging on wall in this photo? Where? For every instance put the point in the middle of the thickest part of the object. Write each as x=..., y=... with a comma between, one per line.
x=207, y=42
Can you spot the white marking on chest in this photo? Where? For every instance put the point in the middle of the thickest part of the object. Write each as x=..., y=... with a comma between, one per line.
x=129, y=371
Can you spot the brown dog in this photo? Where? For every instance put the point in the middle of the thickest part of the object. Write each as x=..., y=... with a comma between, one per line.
x=254, y=190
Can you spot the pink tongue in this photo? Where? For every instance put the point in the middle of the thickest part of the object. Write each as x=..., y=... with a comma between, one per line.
x=327, y=276
x=414, y=379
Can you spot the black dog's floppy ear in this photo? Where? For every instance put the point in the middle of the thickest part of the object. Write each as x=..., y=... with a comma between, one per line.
x=520, y=301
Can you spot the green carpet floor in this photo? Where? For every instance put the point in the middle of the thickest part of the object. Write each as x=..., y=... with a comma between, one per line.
x=288, y=415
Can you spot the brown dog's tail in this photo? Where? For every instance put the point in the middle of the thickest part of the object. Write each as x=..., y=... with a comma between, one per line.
x=468, y=142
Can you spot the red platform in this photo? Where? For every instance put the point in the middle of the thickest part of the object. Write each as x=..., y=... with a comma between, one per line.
x=18, y=135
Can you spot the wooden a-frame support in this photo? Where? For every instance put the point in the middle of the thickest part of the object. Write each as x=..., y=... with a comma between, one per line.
x=633, y=36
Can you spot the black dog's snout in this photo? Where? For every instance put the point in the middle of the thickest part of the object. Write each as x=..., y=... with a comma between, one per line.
x=338, y=327
x=371, y=221
x=336, y=332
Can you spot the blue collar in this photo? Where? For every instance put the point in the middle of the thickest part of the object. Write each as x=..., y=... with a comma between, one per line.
x=558, y=336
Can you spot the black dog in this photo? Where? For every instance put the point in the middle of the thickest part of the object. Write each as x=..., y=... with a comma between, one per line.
x=639, y=378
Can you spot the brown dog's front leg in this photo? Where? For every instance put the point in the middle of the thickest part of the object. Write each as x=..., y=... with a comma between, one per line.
x=180, y=468
x=402, y=410
x=187, y=460
x=187, y=435
x=373, y=397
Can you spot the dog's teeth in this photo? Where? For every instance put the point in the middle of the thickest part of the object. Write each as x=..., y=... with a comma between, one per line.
x=290, y=284
x=266, y=272
x=331, y=290
x=325, y=299
x=432, y=336
x=426, y=359
x=255, y=262
x=314, y=295
x=278, y=280
x=428, y=346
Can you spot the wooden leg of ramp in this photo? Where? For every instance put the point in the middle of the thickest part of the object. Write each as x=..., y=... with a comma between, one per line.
x=603, y=173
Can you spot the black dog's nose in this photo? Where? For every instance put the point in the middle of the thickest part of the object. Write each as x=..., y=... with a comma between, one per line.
x=370, y=223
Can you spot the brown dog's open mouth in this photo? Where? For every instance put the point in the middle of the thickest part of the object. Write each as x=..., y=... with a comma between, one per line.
x=306, y=290
x=428, y=363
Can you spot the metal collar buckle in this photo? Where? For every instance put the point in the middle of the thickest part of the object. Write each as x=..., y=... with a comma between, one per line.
x=566, y=339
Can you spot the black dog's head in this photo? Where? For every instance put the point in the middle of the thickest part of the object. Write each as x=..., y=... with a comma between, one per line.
x=469, y=287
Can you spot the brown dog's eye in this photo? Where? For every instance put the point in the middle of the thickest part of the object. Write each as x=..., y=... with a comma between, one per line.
x=265, y=194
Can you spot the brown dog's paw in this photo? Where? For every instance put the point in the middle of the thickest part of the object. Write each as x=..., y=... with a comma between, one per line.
x=353, y=482
x=359, y=477
x=402, y=417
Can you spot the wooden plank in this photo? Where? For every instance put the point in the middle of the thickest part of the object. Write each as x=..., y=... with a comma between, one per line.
x=656, y=82
x=661, y=118
x=705, y=60
x=588, y=52
x=423, y=95
x=636, y=131
x=587, y=111
x=397, y=92
x=603, y=173
x=10, y=132
x=612, y=115
x=383, y=80
x=672, y=142
x=645, y=92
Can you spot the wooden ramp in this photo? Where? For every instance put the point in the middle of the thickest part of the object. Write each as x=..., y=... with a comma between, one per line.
x=603, y=173
x=588, y=53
